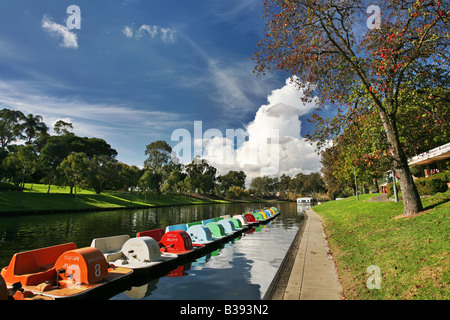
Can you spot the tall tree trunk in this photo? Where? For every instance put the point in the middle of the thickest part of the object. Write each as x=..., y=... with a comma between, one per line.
x=411, y=198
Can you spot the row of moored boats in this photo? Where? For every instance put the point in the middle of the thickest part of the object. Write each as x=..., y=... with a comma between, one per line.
x=65, y=271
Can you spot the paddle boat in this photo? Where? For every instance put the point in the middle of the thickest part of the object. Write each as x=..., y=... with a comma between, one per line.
x=16, y=292
x=217, y=230
x=176, y=241
x=275, y=210
x=242, y=220
x=229, y=226
x=62, y=271
x=258, y=216
x=250, y=218
x=139, y=254
x=238, y=221
x=199, y=234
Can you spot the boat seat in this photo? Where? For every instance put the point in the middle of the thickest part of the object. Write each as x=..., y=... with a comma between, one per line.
x=35, y=266
x=200, y=234
x=177, y=241
x=228, y=226
x=237, y=223
x=205, y=222
x=141, y=249
x=190, y=224
x=217, y=230
x=241, y=219
x=111, y=247
x=156, y=234
x=182, y=227
x=250, y=217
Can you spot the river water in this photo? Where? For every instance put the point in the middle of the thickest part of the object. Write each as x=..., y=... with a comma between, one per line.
x=239, y=270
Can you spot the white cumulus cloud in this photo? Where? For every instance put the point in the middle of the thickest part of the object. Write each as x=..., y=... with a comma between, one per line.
x=273, y=144
x=68, y=38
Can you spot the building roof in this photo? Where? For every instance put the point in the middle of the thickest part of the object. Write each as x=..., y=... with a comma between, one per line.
x=433, y=155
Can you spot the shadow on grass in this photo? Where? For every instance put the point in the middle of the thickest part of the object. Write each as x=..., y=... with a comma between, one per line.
x=436, y=200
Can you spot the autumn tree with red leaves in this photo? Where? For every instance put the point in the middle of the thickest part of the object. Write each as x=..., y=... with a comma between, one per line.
x=329, y=46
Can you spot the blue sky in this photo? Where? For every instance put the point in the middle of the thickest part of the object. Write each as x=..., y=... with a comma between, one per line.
x=136, y=70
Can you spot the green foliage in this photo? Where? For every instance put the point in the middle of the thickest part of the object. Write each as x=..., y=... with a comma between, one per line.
x=390, y=189
x=231, y=179
x=382, y=81
x=5, y=186
x=444, y=176
x=159, y=153
x=430, y=186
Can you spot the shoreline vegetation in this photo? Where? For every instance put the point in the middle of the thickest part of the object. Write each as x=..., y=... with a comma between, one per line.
x=35, y=200
x=411, y=252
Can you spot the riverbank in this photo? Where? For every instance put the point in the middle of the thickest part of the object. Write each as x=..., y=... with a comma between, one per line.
x=411, y=253
x=36, y=200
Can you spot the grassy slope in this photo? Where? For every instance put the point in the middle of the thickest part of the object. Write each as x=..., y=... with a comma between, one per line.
x=60, y=199
x=412, y=253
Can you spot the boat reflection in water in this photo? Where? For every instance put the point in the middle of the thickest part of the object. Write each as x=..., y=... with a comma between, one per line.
x=239, y=263
x=240, y=269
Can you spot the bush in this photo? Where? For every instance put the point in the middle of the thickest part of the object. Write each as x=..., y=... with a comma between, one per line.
x=5, y=186
x=430, y=186
x=390, y=189
x=444, y=176
x=437, y=185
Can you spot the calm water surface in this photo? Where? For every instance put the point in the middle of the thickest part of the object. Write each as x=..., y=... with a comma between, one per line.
x=241, y=269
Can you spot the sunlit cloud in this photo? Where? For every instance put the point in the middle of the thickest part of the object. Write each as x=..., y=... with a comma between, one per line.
x=281, y=115
x=68, y=38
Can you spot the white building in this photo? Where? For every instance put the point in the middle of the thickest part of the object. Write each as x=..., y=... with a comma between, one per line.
x=304, y=200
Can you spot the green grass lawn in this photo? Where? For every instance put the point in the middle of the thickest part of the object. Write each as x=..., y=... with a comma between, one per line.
x=59, y=198
x=412, y=253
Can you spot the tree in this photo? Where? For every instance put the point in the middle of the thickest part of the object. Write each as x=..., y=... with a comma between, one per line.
x=236, y=192
x=314, y=183
x=103, y=171
x=74, y=169
x=201, y=177
x=307, y=183
x=61, y=127
x=159, y=155
x=10, y=127
x=150, y=181
x=231, y=179
x=90, y=146
x=32, y=126
x=318, y=41
x=173, y=183
x=52, y=154
x=264, y=185
x=284, y=183
x=128, y=176
x=20, y=165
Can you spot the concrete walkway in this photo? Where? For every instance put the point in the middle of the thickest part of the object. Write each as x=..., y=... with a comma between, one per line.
x=308, y=271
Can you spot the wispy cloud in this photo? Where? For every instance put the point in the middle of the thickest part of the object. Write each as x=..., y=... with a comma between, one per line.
x=68, y=38
x=234, y=85
x=118, y=123
x=167, y=35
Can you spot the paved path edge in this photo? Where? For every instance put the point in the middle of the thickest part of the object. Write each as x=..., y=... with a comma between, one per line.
x=308, y=271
